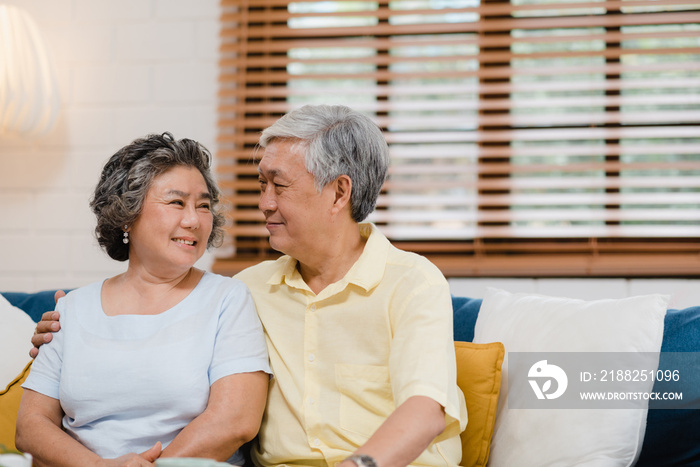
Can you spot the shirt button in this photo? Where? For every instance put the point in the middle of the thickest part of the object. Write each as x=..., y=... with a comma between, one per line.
x=311, y=357
x=317, y=442
x=311, y=401
x=312, y=308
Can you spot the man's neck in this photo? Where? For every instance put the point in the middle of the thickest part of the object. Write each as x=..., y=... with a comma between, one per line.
x=327, y=266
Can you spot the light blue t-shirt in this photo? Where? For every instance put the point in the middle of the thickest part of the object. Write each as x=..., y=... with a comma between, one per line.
x=128, y=381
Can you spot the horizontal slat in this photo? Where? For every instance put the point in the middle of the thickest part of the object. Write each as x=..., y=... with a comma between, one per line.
x=471, y=122
x=452, y=102
x=448, y=58
x=469, y=88
x=233, y=75
x=498, y=88
x=470, y=199
x=447, y=168
x=593, y=245
x=573, y=183
x=267, y=31
x=570, y=265
x=410, y=184
x=495, y=8
x=436, y=41
x=553, y=134
x=380, y=13
x=573, y=231
x=650, y=133
x=431, y=232
x=536, y=264
x=527, y=215
x=248, y=156
x=560, y=199
x=281, y=47
x=473, y=169
x=492, y=25
x=552, y=119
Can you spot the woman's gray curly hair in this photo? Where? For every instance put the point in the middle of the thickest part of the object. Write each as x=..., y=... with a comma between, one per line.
x=127, y=176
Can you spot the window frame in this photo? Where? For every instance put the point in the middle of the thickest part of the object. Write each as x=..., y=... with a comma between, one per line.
x=255, y=44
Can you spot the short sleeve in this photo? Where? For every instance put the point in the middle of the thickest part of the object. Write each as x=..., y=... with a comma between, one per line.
x=240, y=342
x=423, y=359
x=45, y=374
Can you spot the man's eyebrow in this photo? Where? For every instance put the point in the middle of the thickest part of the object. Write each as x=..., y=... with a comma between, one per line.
x=271, y=173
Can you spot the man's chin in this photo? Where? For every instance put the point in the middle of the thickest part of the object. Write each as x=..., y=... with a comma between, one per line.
x=277, y=245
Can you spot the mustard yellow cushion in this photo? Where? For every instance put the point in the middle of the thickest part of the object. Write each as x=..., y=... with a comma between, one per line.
x=479, y=378
x=9, y=405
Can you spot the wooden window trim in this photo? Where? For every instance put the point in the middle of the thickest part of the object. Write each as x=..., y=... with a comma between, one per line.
x=614, y=242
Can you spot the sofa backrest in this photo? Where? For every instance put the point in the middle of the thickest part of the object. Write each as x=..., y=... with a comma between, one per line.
x=672, y=436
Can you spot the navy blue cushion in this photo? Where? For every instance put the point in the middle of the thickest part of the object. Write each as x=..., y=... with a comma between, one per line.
x=34, y=304
x=672, y=436
x=465, y=311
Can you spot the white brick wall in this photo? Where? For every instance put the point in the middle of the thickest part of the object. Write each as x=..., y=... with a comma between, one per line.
x=125, y=68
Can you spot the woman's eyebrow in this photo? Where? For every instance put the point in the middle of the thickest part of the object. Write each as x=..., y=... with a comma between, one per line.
x=182, y=194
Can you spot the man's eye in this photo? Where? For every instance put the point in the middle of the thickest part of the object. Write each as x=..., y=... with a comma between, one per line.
x=205, y=206
x=177, y=202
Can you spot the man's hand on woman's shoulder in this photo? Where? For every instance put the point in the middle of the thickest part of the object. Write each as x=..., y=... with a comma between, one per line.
x=48, y=324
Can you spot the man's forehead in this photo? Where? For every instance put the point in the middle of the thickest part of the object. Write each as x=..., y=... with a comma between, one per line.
x=282, y=156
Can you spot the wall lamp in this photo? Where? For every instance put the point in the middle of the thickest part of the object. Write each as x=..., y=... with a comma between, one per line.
x=29, y=98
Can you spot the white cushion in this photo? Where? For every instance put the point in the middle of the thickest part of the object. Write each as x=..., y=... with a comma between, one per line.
x=538, y=323
x=16, y=329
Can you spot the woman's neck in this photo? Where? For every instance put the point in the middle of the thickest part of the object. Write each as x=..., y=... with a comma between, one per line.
x=138, y=292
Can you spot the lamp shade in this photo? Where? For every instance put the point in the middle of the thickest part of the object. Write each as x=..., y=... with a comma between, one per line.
x=29, y=98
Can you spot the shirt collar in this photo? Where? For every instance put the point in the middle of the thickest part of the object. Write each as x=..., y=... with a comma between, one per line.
x=367, y=271
x=285, y=270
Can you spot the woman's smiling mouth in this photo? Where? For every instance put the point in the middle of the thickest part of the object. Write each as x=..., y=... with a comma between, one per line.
x=185, y=242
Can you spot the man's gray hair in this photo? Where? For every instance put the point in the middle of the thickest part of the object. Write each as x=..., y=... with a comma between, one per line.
x=338, y=141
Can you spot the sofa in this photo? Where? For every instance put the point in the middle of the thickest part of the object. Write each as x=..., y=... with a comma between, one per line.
x=671, y=437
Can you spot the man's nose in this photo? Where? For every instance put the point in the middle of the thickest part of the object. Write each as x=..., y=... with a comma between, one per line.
x=267, y=201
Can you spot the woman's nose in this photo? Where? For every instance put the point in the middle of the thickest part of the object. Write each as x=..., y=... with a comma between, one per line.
x=190, y=218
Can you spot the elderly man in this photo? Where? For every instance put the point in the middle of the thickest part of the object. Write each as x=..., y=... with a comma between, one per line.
x=359, y=333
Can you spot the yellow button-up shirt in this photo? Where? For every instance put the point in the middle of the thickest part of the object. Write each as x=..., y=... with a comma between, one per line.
x=344, y=359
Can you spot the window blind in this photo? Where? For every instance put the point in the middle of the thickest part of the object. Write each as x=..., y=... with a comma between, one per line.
x=527, y=137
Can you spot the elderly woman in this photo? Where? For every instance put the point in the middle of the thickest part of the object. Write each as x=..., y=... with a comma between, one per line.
x=163, y=355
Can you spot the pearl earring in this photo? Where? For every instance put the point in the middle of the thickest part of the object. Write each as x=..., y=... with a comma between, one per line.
x=126, y=235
